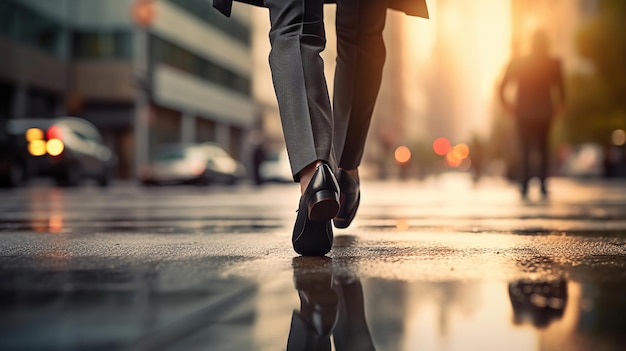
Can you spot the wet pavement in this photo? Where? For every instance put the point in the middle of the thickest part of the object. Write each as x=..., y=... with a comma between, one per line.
x=440, y=264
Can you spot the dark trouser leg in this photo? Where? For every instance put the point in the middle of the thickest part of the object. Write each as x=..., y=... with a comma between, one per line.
x=543, y=136
x=525, y=142
x=534, y=136
x=351, y=332
x=360, y=59
x=297, y=37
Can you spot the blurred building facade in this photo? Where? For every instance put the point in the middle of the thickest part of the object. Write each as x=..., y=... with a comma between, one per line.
x=144, y=72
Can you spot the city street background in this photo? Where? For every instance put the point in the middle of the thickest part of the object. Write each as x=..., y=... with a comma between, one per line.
x=101, y=97
x=442, y=264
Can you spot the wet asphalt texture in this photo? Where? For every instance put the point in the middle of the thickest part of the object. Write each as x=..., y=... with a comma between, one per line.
x=438, y=264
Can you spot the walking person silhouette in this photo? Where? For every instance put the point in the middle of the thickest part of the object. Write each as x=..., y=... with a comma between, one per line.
x=325, y=144
x=539, y=98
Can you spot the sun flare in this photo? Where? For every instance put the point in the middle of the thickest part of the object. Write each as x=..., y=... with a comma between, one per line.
x=471, y=42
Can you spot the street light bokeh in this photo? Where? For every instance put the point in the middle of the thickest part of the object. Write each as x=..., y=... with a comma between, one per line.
x=402, y=155
x=441, y=146
x=144, y=12
x=461, y=151
x=618, y=137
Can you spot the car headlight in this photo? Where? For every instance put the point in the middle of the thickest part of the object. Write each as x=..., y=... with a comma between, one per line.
x=37, y=147
x=54, y=147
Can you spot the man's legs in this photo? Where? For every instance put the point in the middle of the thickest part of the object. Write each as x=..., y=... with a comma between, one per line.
x=360, y=60
x=525, y=134
x=543, y=137
x=297, y=37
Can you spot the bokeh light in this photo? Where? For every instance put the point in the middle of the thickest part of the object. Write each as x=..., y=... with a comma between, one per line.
x=54, y=132
x=37, y=147
x=34, y=134
x=402, y=154
x=144, y=12
x=466, y=164
x=461, y=150
x=456, y=156
x=441, y=146
x=618, y=137
x=453, y=160
x=54, y=147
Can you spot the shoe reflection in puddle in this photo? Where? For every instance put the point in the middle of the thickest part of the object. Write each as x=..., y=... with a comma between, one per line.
x=330, y=306
x=538, y=302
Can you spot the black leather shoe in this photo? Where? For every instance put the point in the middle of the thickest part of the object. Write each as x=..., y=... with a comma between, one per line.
x=349, y=200
x=321, y=197
x=312, y=232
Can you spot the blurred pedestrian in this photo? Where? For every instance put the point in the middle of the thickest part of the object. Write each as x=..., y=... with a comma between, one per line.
x=257, y=145
x=477, y=150
x=325, y=143
x=539, y=98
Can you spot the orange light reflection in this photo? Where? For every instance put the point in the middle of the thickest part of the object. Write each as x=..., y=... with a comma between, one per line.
x=55, y=223
x=441, y=146
x=402, y=154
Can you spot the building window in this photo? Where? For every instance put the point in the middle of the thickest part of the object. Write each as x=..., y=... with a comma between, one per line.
x=205, y=130
x=176, y=56
x=102, y=45
x=6, y=100
x=203, y=10
x=23, y=24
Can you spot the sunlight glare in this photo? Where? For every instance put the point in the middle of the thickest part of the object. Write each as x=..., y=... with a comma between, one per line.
x=471, y=47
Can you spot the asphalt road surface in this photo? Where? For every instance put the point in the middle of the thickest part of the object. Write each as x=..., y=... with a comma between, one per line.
x=439, y=264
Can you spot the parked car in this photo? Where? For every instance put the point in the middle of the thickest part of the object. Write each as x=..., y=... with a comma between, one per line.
x=68, y=149
x=585, y=160
x=276, y=168
x=192, y=163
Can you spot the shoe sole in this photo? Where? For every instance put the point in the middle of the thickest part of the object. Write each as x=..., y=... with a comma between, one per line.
x=323, y=206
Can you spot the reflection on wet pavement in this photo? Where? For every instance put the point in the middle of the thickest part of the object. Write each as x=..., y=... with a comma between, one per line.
x=331, y=306
x=131, y=307
x=181, y=270
x=538, y=302
x=321, y=301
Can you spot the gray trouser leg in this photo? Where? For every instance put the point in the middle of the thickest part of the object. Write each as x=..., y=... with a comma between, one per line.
x=297, y=37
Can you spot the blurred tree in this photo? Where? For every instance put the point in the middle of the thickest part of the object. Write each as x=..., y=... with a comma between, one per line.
x=588, y=111
x=597, y=102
